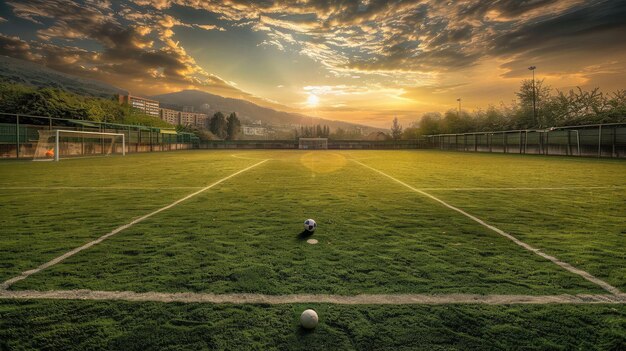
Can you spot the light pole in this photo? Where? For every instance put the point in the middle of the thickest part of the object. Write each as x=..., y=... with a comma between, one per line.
x=458, y=114
x=532, y=68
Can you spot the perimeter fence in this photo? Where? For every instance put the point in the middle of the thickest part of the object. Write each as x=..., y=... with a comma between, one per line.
x=20, y=135
x=599, y=140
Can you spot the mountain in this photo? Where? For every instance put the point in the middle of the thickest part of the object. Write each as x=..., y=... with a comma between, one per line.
x=24, y=72
x=250, y=113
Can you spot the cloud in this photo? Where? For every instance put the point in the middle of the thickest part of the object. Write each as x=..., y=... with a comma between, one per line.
x=143, y=54
x=210, y=27
x=408, y=50
x=15, y=47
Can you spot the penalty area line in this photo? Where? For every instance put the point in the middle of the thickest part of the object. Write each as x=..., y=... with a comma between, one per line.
x=73, y=252
x=604, y=285
x=362, y=299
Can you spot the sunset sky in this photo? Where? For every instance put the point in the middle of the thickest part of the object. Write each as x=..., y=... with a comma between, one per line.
x=359, y=61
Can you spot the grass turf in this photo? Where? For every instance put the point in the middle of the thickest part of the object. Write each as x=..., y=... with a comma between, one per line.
x=50, y=208
x=243, y=236
x=87, y=325
x=374, y=237
x=582, y=225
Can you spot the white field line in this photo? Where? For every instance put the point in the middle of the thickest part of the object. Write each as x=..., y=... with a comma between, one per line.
x=26, y=274
x=199, y=187
x=364, y=299
x=606, y=286
x=164, y=187
x=248, y=158
x=527, y=188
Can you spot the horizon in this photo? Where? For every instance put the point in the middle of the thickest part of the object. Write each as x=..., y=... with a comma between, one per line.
x=363, y=63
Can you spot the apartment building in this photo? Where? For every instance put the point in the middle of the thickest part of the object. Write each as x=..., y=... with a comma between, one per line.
x=147, y=106
x=170, y=116
x=199, y=120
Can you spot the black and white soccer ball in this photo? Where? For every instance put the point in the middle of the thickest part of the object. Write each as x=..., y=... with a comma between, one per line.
x=310, y=225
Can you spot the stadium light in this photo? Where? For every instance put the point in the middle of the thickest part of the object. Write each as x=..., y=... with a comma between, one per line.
x=458, y=114
x=532, y=68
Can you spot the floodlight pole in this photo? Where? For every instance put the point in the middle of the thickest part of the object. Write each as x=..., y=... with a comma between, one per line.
x=532, y=68
x=458, y=114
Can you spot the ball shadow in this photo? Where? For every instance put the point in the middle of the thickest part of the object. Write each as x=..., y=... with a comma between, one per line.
x=304, y=235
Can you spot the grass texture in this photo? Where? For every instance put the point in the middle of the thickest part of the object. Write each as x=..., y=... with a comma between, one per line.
x=375, y=236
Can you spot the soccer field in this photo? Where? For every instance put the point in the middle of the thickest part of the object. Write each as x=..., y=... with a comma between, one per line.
x=415, y=250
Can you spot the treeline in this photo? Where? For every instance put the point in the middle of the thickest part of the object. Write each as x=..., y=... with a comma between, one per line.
x=554, y=108
x=225, y=127
x=51, y=102
x=315, y=131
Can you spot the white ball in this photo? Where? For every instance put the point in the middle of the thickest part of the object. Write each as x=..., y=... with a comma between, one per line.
x=309, y=319
x=310, y=225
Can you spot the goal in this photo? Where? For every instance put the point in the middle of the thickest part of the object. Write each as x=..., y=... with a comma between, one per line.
x=58, y=144
x=313, y=143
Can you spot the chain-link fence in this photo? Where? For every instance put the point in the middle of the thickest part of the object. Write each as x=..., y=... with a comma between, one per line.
x=601, y=140
x=21, y=134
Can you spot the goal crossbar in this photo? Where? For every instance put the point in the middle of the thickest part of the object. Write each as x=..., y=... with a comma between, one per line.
x=79, y=133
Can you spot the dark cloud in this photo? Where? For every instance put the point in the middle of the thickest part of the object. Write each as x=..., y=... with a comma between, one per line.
x=584, y=20
x=15, y=47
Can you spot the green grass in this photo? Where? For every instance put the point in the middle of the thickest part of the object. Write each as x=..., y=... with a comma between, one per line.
x=84, y=325
x=375, y=236
x=584, y=227
x=41, y=222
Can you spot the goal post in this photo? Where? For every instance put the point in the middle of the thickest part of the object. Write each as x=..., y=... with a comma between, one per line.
x=55, y=144
x=313, y=143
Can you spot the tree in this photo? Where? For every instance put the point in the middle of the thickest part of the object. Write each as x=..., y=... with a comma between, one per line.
x=233, y=126
x=217, y=125
x=396, y=129
x=526, y=118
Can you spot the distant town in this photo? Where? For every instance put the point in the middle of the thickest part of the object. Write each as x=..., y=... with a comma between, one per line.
x=187, y=117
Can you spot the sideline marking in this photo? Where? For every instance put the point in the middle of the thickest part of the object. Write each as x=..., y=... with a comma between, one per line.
x=528, y=188
x=363, y=299
x=604, y=285
x=26, y=274
x=98, y=187
x=615, y=187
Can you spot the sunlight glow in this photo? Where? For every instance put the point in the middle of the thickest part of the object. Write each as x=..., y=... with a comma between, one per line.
x=312, y=100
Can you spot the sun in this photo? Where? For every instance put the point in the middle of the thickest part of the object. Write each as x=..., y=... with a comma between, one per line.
x=312, y=100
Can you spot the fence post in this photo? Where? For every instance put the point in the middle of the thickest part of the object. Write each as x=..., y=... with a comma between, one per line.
x=599, y=141
x=547, y=147
x=505, y=141
x=17, y=135
x=568, y=150
x=613, y=154
x=520, y=142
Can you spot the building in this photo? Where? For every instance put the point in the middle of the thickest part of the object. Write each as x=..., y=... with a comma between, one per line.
x=199, y=120
x=250, y=130
x=170, y=116
x=147, y=106
x=188, y=109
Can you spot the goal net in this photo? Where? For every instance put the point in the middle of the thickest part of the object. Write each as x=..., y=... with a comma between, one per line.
x=313, y=143
x=58, y=144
